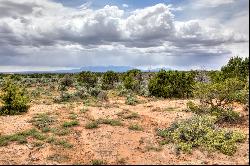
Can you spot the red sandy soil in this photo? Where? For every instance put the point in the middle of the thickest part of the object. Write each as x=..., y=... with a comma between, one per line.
x=113, y=144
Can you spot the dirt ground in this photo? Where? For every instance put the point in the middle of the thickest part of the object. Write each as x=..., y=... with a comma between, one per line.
x=112, y=144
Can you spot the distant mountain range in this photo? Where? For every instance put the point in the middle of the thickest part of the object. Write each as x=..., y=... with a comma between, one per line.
x=95, y=69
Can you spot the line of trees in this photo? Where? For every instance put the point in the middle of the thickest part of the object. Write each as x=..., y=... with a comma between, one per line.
x=226, y=85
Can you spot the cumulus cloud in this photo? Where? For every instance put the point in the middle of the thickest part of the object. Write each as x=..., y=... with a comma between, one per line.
x=150, y=23
x=32, y=30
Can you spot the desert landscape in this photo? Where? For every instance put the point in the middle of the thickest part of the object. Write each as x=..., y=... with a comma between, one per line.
x=124, y=82
x=115, y=119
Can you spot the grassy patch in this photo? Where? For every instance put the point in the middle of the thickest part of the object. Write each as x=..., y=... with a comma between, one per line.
x=135, y=127
x=111, y=122
x=51, y=140
x=95, y=124
x=91, y=125
x=55, y=141
x=21, y=137
x=60, y=131
x=42, y=121
x=98, y=162
x=133, y=115
x=73, y=116
x=64, y=143
x=71, y=123
x=127, y=114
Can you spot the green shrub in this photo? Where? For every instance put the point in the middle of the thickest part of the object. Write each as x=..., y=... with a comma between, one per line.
x=144, y=91
x=200, y=131
x=198, y=109
x=222, y=115
x=236, y=67
x=66, y=81
x=122, y=91
x=64, y=97
x=94, y=91
x=108, y=80
x=88, y=78
x=15, y=99
x=132, y=80
x=131, y=100
x=171, y=84
x=222, y=92
x=82, y=93
x=130, y=83
x=225, y=115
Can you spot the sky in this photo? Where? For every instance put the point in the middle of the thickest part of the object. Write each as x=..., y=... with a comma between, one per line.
x=177, y=34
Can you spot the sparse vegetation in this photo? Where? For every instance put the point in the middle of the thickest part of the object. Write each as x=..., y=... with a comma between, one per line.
x=132, y=115
x=20, y=137
x=96, y=123
x=43, y=121
x=98, y=162
x=111, y=122
x=91, y=125
x=127, y=108
x=135, y=127
x=60, y=131
x=55, y=141
x=71, y=123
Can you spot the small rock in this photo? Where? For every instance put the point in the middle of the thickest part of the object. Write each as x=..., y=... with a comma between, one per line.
x=29, y=146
